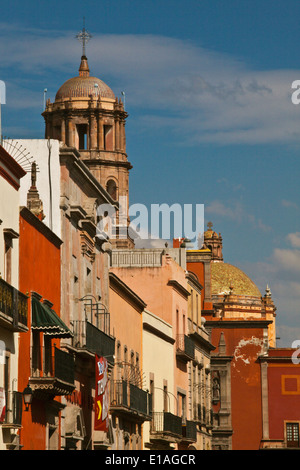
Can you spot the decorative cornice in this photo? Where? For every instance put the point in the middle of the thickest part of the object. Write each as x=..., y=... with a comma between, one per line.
x=40, y=226
x=157, y=332
x=179, y=288
x=247, y=323
x=71, y=157
x=120, y=287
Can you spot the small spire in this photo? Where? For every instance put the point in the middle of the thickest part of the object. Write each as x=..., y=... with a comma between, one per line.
x=84, y=36
x=34, y=202
x=268, y=291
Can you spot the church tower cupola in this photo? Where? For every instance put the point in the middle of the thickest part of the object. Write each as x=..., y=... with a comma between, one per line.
x=86, y=115
x=213, y=242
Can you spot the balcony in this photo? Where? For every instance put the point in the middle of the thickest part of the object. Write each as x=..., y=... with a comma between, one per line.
x=189, y=431
x=203, y=415
x=130, y=400
x=166, y=426
x=13, y=410
x=90, y=339
x=52, y=372
x=185, y=348
x=13, y=308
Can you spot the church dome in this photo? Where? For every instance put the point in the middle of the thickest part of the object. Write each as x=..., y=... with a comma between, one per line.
x=84, y=86
x=224, y=276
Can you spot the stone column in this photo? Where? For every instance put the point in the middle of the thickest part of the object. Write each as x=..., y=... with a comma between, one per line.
x=117, y=134
x=100, y=133
x=63, y=130
x=123, y=136
x=93, y=132
x=264, y=400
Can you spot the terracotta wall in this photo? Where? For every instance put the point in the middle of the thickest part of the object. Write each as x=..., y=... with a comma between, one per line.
x=283, y=392
x=245, y=345
x=39, y=271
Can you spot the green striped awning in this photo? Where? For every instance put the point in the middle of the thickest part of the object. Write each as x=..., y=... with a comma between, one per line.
x=45, y=319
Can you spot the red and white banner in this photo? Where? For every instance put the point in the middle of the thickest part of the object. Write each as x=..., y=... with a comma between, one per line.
x=101, y=395
x=2, y=405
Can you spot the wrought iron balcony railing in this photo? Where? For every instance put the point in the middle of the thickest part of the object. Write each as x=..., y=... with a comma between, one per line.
x=13, y=409
x=52, y=371
x=189, y=431
x=127, y=398
x=166, y=424
x=185, y=347
x=90, y=338
x=13, y=307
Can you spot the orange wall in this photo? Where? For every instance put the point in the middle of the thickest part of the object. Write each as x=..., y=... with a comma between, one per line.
x=244, y=344
x=126, y=323
x=39, y=271
x=150, y=284
x=283, y=391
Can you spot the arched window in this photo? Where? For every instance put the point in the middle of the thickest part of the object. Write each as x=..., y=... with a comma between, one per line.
x=111, y=188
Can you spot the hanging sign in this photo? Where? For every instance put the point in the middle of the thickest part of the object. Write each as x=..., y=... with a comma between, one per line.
x=2, y=405
x=101, y=395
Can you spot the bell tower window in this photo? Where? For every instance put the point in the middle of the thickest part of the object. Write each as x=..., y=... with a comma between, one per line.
x=108, y=137
x=82, y=136
x=111, y=188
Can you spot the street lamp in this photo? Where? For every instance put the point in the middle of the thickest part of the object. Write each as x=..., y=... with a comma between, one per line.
x=27, y=397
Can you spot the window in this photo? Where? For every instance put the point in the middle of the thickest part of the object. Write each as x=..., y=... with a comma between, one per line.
x=166, y=396
x=36, y=357
x=82, y=136
x=108, y=137
x=181, y=405
x=111, y=188
x=292, y=434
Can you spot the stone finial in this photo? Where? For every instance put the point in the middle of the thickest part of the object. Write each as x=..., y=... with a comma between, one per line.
x=34, y=202
x=84, y=70
x=268, y=291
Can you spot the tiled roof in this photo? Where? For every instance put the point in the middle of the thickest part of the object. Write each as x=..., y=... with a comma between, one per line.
x=223, y=275
x=79, y=87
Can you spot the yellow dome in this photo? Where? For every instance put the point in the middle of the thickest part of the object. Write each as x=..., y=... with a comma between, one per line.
x=224, y=275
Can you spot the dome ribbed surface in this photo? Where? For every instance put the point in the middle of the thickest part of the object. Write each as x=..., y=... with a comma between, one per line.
x=223, y=275
x=84, y=87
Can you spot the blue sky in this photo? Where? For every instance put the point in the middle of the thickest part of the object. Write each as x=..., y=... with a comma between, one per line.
x=211, y=121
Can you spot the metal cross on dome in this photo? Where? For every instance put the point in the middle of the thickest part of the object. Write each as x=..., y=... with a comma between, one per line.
x=83, y=36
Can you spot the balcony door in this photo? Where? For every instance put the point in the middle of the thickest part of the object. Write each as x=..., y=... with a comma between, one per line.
x=292, y=434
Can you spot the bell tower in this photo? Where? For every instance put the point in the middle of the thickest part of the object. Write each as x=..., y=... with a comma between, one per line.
x=88, y=116
x=214, y=242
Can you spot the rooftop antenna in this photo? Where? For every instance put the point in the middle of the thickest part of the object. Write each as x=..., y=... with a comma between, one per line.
x=83, y=36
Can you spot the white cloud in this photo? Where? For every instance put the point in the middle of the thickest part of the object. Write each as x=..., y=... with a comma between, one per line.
x=294, y=239
x=210, y=97
x=289, y=204
x=287, y=259
x=237, y=212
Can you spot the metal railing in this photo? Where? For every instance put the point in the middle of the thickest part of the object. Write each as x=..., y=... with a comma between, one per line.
x=53, y=362
x=189, y=430
x=88, y=336
x=165, y=422
x=184, y=344
x=125, y=394
x=13, y=408
x=13, y=303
